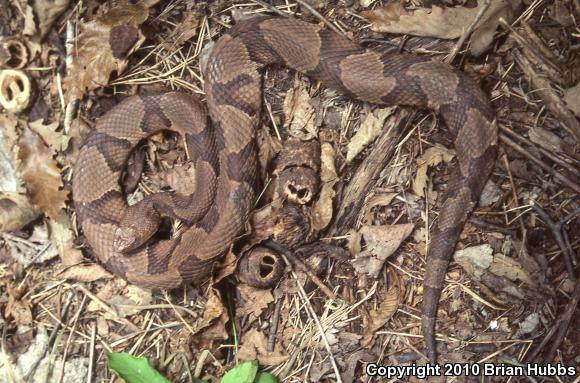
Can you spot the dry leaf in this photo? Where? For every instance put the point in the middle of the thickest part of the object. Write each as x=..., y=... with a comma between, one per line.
x=181, y=178
x=511, y=269
x=299, y=113
x=255, y=347
x=444, y=23
x=382, y=199
x=9, y=180
x=477, y=259
x=322, y=210
x=185, y=30
x=36, y=249
x=572, y=98
x=15, y=212
x=255, y=301
x=56, y=140
x=369, y=129
x=18, y=306
x=388, y=306
x=103, y=46
x=85, y=273
x=545, y=139
x=61, y=236
x=382, y=241
x=47, y=11
x=41, y=175
x=431, y=157
x=214, y=309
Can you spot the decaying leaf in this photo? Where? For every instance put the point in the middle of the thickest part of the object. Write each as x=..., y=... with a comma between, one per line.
x=42, y=177
x=369, y=129
x=388, y=306
x=85, y=273
x=103, y=46
x=56, y=140
x=545, y=139
x=36, y=249
x=61, y=236
x=299, y=113
x=381, y=199
x=443, y=22
x=47, y=11
x=215, y=317
x=15, y=211
x=18, y=306
x=572, y=98
x=382, y=241
x=477, y=259
x=254, y=300
x=431, y=157
x=322, y=210
x=255, y=347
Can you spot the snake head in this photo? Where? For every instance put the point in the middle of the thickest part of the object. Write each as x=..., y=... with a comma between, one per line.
x=125, y=239
x=139, y=224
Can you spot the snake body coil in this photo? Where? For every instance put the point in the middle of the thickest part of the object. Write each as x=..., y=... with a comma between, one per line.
x=224, y=152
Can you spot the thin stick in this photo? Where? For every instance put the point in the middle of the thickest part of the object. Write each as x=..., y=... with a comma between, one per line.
x=572, y=185
x=467, y=32
x=274, y=326
x=322, y=18
x=300, y=265
x=314, y=317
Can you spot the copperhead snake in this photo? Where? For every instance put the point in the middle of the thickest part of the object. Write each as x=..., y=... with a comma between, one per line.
x=224, y=152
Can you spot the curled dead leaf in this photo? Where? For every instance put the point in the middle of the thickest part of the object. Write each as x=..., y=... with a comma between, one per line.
x=255, y=347
x=40, y=173
x=369, y=129
x=15, y=212
x=85, y=273
x=382, y=241
x=390, y=301
x=103, y=46
x=431, y=157
x=299, y=113
x=444, y=22
x=322, y=210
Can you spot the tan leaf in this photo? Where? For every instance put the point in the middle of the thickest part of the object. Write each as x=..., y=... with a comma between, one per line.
x=545, y=139
x=572, y=98
x=103, y=46
x=15, y=212
x=431, y=157
x=255, y=301
x=322, y=210
x=381, y=199
x=18, y=306
x=255, y=346
x=47, y=11
x=510, y=268
x=369, y=129
x=214, y=309
x=85, y=273
x=61, y=236
x=299, y=113
x=42, y=177
x=443, y=22
x=388, y=306
x=382, y=241
x=56, y=140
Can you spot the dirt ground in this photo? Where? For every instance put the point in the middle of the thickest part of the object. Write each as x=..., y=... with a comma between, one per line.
x=352, y=299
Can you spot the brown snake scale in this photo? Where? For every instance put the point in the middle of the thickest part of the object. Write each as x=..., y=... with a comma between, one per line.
x=224, y=152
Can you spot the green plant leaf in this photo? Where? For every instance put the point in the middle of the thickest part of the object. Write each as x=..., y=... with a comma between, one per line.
x=134, y=370
x=265, y=377
x=242, y=373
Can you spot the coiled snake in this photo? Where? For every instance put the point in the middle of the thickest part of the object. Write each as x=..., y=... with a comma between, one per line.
x=224, y=152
